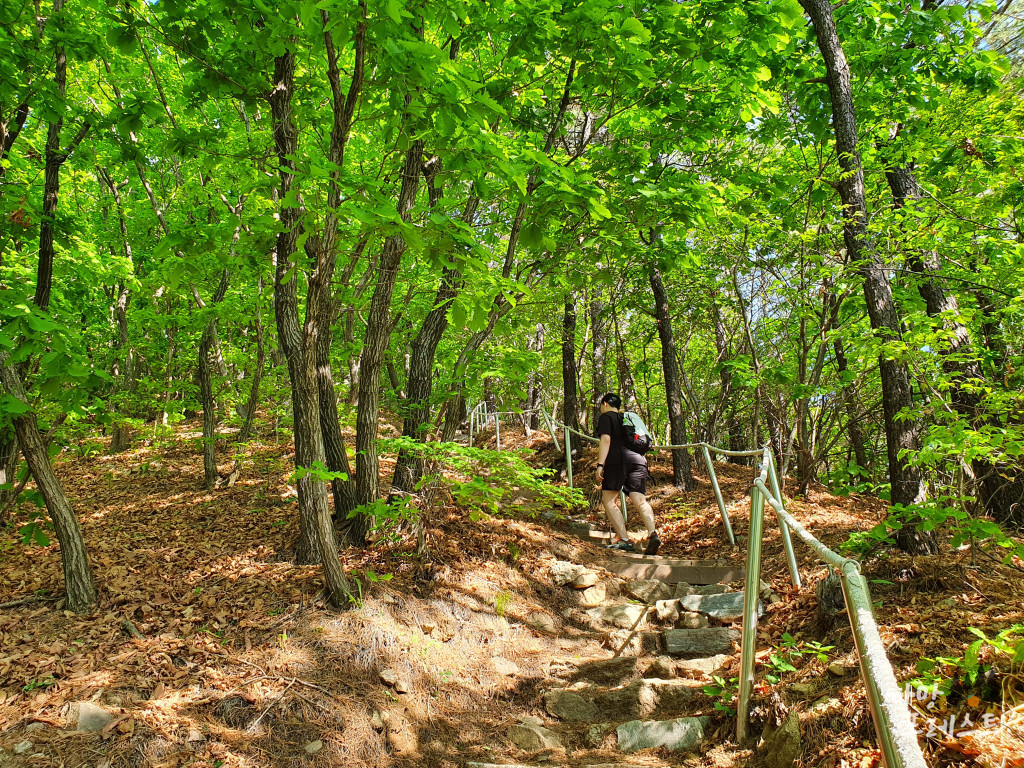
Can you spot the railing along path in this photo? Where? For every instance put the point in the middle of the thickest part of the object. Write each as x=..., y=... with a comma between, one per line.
x=896, y=734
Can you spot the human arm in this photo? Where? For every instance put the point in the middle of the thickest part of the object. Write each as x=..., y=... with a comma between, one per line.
x=602, y=454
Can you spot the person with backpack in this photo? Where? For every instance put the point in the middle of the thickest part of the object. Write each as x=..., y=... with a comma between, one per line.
x=622, y=466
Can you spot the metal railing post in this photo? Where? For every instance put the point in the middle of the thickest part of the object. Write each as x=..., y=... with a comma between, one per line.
x=551, y=429
x=472, y=419
x=497, y=429
x=787, y=540
x=622, y=504
x=568, y=456
x=750, y=594
x=718, y=496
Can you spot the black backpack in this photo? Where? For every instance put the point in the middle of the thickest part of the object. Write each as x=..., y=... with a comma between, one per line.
x=635, y=436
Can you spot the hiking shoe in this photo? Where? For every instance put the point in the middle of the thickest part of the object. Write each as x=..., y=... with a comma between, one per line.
x=624, y=546
x=653, y=544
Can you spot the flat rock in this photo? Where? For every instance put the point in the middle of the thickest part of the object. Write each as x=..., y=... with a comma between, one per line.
x=700, y=642
x=838, y=669
x=23, y=747
x=504, y=666
x=709, y=589
x=585, y=579
x=648, y=590
x=633, y=643
x=533, y=738
x=727, y=606
x=563, y=572
x=591, y=597
x=570, y=706
x=692, y=620
x=781, y=746
x=803, y=689
x=624, y=616
x=313, y=747
x=682, y=589
x=91, y=717
x=609, y=672
x=680, y=735
x=826, y=705
x=595, y=735
x=709, y=665
x=542, y=622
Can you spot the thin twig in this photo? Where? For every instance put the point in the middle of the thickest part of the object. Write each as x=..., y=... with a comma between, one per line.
x=272, y=705
x=26, y=601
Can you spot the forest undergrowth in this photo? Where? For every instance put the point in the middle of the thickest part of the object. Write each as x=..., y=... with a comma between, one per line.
x=212, y=648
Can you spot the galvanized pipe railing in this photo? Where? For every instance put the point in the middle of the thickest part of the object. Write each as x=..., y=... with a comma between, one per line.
x=896, y=734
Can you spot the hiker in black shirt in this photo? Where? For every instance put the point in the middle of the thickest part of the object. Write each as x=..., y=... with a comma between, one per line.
x=619, y=468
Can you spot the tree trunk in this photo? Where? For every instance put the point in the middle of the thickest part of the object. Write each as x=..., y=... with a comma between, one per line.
x=377, y=333
x=599, y=369
x=682, y=472
x=902, y=433
x=206, y=348
x=1000, y=487
x=81, y=592
x=8, y=470
x=533, y=394
x=257, y=377
x=850, y=405
x=316, y=533
x=570, y=406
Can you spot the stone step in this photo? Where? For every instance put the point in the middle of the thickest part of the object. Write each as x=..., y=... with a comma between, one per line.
x=725, y=607
x=673, y=571
x=700, y=642
x=547, y=765
x=639, y=699
x=683, y=734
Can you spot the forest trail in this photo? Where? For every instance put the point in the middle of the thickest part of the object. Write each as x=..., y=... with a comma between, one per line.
x=211, y=648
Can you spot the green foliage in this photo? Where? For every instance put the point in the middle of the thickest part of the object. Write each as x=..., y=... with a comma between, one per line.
x=725, y=691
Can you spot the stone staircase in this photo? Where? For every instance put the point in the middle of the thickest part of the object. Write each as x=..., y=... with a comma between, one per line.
x=668, y=626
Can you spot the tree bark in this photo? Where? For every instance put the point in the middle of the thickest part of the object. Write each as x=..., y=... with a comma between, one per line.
x=856, y=434
x=1000, y=488
x=533, y=393
x=682, y=471
x=298, y=344
x=599, y=368
x=902, y=433
x=570, y=405
x=210, y=474
x=257, y=377
x=81, y=591
x=377, y=333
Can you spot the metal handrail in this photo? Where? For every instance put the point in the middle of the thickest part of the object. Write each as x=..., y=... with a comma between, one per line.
x=896, y=734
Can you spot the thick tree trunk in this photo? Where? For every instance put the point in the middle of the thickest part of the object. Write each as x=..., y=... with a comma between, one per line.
x=902, y=433
x=570, y=405
x=316, y=532
x=682, y=471
x=599, y=369
x=1000, y=487
x=81, y=592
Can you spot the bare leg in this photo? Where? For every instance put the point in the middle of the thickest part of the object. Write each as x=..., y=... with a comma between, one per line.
x=614, y=514
x=644, y=507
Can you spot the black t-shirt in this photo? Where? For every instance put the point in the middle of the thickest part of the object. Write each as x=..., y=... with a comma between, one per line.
x=610, y=423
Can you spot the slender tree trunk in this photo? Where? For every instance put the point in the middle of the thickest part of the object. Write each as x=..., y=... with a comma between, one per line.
x=570, y=406
x=377, y=332
x=8, y=470
x=533, y=392
x=902, y=433
x=210, y=474
x=682, y=471
x=316, y=532
x=850, y=405
x=599, y=370
x=257, y=378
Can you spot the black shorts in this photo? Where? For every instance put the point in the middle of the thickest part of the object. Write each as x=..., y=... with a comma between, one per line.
x=631, y=478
